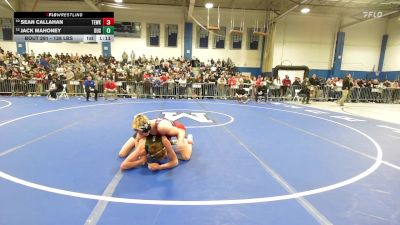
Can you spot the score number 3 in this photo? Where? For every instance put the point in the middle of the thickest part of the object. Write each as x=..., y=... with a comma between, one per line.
x=108, y=21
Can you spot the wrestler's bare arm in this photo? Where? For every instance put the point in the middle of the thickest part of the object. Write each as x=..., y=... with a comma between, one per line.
x=165, y=128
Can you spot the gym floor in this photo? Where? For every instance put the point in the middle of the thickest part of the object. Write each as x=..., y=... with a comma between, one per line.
x=252, y=164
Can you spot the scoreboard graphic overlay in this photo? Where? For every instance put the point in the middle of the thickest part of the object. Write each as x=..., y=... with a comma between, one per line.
x=64, y=26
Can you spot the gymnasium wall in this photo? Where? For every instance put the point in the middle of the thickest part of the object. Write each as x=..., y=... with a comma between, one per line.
x=310, y=40
x=299, y=40
x=6, y=13
x=362, y=45
x=243, y=57
x=149, y=14
x=138, y=13
x=305, y=40
x=7, y=45
x=248, y=60
x=391, y=65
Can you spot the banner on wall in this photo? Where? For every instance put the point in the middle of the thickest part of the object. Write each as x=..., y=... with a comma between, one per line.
x=6, y=29
x=127, y=29
x=291, y=71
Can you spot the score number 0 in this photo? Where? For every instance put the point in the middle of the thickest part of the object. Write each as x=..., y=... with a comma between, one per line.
x=108, y=25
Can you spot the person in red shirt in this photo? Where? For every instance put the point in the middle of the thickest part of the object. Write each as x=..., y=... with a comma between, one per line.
x=38, y=76
x=259, y=81
x=163, y=78
x=232, y=85
x=146, y=75
x=110, y=87
x=286, y=84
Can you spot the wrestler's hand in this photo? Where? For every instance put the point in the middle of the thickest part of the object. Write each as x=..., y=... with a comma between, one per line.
x=153, y=166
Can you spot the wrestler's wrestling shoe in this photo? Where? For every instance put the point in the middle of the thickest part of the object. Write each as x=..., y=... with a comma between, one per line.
x=190, y=139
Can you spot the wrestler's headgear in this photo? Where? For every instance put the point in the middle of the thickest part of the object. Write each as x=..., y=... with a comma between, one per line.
x=141, y=123
x=146, y=127
x=155, y=152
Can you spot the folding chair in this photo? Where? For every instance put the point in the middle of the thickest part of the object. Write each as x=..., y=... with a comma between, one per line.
x=59, y=95
x=247, y=94
x=91, y=94
x=63, y=93
x=262, y=96
x=297, y=97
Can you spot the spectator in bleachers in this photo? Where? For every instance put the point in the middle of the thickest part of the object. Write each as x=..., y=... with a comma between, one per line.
x=110, y=87
x=133, y=56
x=15, y=61
x=259, y=80
x=38, y=75
x=124, y=58
x=99, y=68
x=90, y=87
x=44, y=62
x=314, y=86
x=241, y=95
x=239, y=79
x=358, y=83
x=395, y=92
x=297, y=81
x=377, y=90
x=387, y=83
x=60, y=70
x=261, y=92
x=305, y=90
x=276, y=86
x=212, y=82
x=157, y=85
x=182, y=85
x=221, y=86
x=189, y=87
x=232, y=84
x=2, y=57
x=346, y=86
x=268, y=82
x=246, y=80
x=55, y=86
x=285, y=85
x=69, y=76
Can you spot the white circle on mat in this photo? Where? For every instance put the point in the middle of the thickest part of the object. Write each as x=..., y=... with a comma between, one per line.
x=365, y=173
x=5, y=106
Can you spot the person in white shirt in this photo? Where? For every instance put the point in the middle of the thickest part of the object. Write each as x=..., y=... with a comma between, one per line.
x=182, y=85
x=69, y=77
x=132, y=57
x=276, y=83
x=60, y=70
x=124, y=57
x=221, y=82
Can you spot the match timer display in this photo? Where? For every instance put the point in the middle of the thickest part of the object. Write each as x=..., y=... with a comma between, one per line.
x=64, y=26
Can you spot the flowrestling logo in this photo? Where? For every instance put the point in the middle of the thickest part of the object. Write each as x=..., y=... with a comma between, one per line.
x=372, y=14
x=200, y=117
x=192, y=118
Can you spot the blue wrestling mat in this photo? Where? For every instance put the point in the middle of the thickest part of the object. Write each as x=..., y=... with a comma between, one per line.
x=252, y=164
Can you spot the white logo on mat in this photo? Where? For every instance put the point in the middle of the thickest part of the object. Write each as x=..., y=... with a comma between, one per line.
x=197, y=116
